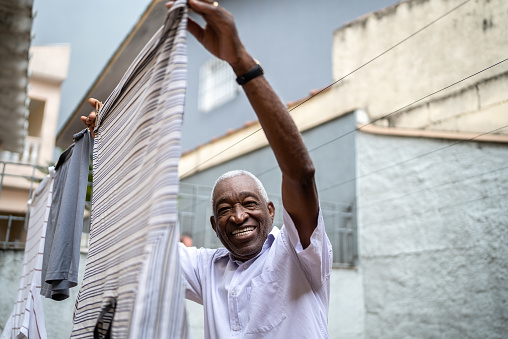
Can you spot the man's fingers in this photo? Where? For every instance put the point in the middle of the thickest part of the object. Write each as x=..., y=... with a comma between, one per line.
x=89, y=120
x=195, y=29
x=92, y=102
x=203, y=7
x=92, y=117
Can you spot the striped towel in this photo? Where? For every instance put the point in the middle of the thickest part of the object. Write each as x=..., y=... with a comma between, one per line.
x=27, y=318
x=132, y=287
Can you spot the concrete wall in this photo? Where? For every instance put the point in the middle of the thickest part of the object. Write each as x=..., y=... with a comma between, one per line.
x=432, y=228
x=58, y=314
x=467, y=40
x=480, y=107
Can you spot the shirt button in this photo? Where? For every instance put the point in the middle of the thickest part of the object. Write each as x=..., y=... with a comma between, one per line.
x=233, y=292
x=246, y=266
x=236, y=328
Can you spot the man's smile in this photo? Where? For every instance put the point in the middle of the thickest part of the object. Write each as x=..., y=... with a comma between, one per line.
x=243, y=232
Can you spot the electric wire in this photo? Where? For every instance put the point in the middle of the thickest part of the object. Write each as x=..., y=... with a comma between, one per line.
x=440, y=207
x=396, y=111
x=334, y=83
x=413, y=158
x=429, y=188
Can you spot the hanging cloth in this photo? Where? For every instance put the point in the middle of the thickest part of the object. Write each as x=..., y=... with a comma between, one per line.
x=132, y=286
x=27, y=318
x=60, y=265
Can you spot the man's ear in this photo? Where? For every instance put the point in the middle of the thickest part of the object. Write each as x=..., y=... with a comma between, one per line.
x=212, y=221
x=271, y=210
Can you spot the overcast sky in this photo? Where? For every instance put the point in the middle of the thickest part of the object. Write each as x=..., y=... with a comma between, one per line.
x=94, y=29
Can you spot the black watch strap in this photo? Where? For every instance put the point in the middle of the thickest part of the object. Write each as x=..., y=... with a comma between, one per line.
x=254, y=72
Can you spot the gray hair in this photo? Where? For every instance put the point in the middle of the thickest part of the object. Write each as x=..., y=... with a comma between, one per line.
x=237, y=173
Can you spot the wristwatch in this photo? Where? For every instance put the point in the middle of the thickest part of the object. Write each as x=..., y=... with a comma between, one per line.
x=253, y=73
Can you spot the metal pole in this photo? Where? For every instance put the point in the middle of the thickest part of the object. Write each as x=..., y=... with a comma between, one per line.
x=2, y=177
x=194, y=215
x=9, y=223
x=29, y=197
x=336, y=218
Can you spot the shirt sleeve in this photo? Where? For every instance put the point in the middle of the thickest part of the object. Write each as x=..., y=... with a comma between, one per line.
x=189, y=257
x=317, y=258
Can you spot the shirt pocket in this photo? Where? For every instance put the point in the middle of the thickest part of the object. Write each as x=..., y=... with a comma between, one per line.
x=266, y=305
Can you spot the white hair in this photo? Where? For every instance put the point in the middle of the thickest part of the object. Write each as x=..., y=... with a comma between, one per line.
x=237, y=173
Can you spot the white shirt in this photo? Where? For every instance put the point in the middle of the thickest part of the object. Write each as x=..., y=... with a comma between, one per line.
x=281, y=293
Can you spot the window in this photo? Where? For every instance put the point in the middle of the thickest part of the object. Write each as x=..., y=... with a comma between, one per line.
x=217, y=84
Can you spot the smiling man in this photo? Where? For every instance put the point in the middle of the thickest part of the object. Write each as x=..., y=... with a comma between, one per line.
x=267, y=282
x=243, y=215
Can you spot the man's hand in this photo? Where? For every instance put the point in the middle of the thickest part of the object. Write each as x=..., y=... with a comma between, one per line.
x=219, y=36
x=90, y=120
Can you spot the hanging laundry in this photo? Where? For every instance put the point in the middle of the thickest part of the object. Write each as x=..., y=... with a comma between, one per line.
x=132, y=286
x=65, y=225
x=27, y=317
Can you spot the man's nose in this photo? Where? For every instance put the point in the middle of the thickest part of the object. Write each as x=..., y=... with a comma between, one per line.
x=239, y=215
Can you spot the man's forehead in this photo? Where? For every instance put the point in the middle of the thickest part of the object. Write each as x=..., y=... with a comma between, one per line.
x=238, y=185
x=237, y=181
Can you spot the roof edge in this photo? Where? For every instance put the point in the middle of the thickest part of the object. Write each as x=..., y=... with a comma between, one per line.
x=433, y=134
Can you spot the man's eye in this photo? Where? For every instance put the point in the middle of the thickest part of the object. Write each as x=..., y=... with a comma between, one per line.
x=223, y=210
x=250, y=203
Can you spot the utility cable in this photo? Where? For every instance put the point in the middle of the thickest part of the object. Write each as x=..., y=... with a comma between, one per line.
x=398, y=110
x=413, y=158
x=420, y=212
x=424, y=189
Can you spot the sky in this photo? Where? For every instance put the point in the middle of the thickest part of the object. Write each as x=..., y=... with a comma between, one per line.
x=94, y=29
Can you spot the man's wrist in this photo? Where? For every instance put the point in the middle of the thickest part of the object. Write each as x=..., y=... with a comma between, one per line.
x=243, y=65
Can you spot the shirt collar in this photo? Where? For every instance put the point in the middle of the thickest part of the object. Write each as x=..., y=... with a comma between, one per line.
x=222, y=252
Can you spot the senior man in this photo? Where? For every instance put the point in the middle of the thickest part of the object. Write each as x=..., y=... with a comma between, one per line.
x=266, y=282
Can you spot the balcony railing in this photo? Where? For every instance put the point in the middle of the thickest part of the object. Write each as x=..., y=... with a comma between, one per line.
x=30, y=153
x=17, y=183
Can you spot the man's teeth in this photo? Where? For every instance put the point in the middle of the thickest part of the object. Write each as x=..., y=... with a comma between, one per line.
x=243, y=231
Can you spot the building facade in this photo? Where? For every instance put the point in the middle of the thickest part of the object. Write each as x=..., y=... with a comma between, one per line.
x=21, y=171
x=410, y=147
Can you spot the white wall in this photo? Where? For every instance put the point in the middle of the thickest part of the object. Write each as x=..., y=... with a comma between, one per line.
x=48, y=67
x=460, y=44
x=58, y=314
x=432, y=237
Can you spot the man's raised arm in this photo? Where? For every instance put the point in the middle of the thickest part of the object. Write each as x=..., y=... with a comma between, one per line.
x=299, y=193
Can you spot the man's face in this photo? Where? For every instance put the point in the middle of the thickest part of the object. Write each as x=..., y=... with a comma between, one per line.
x=242, y=218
